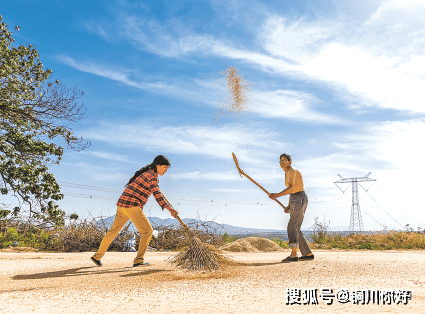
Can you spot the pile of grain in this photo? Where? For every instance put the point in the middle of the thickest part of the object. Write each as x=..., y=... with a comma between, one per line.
x=252, y=245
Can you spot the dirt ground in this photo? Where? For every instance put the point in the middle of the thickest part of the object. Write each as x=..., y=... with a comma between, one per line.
x=34, y=282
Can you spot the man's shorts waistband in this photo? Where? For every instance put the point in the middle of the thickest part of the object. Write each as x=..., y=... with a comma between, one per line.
x=298, y=193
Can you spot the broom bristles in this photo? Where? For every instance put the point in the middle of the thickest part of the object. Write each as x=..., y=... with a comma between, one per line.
x=198, y=257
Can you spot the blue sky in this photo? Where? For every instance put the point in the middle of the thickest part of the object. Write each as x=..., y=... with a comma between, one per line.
x=339, y=85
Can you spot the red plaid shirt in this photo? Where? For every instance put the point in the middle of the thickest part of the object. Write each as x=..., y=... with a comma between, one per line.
x=137, y=192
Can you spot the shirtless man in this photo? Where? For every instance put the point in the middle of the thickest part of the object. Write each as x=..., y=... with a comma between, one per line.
x=296, y=208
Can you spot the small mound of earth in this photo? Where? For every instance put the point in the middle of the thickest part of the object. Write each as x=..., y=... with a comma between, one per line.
x=252, y=245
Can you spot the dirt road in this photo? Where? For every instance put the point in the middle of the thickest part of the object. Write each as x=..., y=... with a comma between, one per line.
x=70, y=283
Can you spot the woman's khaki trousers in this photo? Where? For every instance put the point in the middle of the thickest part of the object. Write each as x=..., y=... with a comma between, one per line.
x=138, y=217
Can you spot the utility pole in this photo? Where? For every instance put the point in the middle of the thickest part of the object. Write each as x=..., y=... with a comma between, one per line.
x=356, y=223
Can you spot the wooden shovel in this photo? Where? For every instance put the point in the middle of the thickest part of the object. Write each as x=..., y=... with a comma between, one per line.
x=241, y=172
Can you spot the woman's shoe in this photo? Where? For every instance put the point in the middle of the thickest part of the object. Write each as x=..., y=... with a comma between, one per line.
x=142, y=263
x=97, y=262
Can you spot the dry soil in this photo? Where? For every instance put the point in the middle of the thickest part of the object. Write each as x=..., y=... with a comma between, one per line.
x=36, y=282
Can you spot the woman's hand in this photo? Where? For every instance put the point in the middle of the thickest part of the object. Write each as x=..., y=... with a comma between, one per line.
x=173, y=212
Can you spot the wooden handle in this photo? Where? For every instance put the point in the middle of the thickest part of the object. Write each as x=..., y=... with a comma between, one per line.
x=181, y=221
x=241, y=172
x=184, y=226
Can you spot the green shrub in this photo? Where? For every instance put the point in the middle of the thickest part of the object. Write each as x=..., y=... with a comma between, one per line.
x=4, y=242
x=228, y=239
x=281, y=243
x=12, y=235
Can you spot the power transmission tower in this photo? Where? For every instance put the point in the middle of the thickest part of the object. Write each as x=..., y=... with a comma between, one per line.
x=356, y=223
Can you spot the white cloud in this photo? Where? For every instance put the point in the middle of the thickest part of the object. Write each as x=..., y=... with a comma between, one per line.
x=218, y=142
x=400, y=144
x=291, y=105
x=101, y=173
x=394, y=5
x=166, y=41
x=170, y=40
x=385, y=146
x=141, y=32
x=277, y=104
x=376, y=80
x=275, y=174
x=380, y=61
x=399, y=188
x=206, y=176
x=287, y=104
x=97, y=29
x=295, y=41
x=392, y=151
x=358, y=58
x=111, y=72
x=107, y=156
x=123, y=75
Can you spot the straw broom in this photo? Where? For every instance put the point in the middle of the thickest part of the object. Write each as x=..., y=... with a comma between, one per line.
x=198, y=257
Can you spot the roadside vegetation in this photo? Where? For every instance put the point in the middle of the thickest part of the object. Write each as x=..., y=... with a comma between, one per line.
x=85, y=235
x=82, y=235
x=323, y=238
x=73, y=236
x=408, y=239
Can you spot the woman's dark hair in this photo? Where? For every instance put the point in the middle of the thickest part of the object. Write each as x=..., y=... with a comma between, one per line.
x=159, y=160
x=287, y=156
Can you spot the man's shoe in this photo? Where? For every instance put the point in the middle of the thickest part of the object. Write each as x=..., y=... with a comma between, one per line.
x=97, y=262
x=142, y=263
x=306, y=258
x=290, y=259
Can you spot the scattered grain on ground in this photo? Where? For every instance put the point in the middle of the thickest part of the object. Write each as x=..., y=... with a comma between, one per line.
x=70, y=283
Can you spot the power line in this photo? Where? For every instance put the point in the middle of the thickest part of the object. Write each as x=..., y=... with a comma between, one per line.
x=205, y=202
x=384, y=210
x=110, y=190
x=88, y=187
x=238, y=202
x=324, y=201
x=90, y=196
x=383, y=226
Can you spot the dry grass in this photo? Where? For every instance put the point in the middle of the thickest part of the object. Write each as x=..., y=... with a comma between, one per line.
x=86, y=235
x=171, y=238
x=391, y=240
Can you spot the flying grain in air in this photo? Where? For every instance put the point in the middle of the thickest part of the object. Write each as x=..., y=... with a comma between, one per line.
x=237, y=96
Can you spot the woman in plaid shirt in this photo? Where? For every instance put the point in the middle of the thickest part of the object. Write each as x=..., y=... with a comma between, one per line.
x=130, y=206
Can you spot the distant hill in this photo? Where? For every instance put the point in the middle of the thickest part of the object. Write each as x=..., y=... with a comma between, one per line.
x=239, y=232
x=219, y=228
